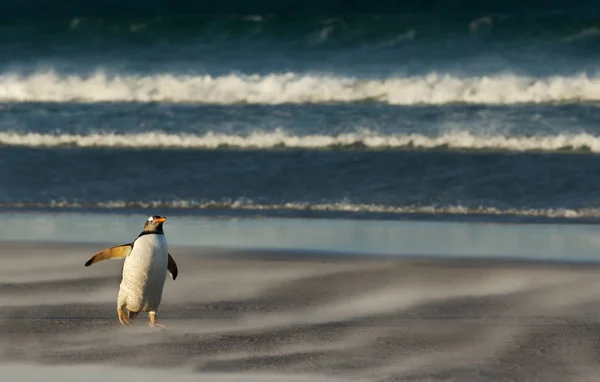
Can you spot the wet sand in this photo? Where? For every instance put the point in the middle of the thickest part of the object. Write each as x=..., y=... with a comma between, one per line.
x=252, y=315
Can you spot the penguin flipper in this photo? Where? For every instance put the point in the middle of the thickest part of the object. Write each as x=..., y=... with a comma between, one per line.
x=116, y=252
x=172, y=267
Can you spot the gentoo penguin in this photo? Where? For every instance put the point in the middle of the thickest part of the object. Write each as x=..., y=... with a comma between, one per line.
x=147, y=260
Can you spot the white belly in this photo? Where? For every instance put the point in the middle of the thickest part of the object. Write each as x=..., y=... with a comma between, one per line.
x=144, y=274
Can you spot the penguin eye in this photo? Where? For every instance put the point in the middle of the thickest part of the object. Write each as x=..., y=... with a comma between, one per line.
x=150, y=219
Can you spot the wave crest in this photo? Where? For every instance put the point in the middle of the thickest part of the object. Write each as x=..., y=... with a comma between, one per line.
x=292, y=88
x=278, y=139
x=317, y=207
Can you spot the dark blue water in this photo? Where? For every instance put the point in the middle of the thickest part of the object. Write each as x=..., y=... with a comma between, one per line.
x=457, y=109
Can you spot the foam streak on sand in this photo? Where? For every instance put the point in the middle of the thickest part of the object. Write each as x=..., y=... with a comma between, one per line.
x=430, y=89
x=322, y=207
x=278, y=139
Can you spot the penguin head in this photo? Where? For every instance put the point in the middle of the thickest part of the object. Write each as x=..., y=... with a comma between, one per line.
x=154, y=224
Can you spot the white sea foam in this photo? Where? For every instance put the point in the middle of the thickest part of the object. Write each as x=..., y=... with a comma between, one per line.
x=276, y=139
x=481, y=22
x=249, y=205
x=584, y=34
x=432, y=89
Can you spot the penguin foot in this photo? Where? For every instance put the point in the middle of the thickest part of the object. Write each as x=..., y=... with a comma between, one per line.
x=153, y=322
x=123, y=316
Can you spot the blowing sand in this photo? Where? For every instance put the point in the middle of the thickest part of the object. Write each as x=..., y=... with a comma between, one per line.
x=252, y=316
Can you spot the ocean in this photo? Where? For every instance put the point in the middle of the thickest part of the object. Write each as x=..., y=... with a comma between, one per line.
x=450, y=110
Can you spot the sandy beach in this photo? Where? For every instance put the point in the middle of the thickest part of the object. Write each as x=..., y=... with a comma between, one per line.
x=255, y=315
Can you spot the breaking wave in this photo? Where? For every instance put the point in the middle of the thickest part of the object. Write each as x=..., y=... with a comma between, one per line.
x=293, y=88
x=278, y=139
x=317, y=207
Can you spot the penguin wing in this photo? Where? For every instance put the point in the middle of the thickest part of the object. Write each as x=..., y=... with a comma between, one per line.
x=116, y=252
x=172, y=267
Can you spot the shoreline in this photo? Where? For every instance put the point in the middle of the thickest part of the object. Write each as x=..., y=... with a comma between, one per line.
x=431, y=239
x=287, y=254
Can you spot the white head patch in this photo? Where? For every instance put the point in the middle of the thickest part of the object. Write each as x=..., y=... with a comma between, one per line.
x=151, y=219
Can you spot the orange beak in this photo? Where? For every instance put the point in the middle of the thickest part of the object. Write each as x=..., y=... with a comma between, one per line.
x=160, y=220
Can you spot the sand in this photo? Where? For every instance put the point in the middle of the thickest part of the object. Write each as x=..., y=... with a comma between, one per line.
x=279, y=316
